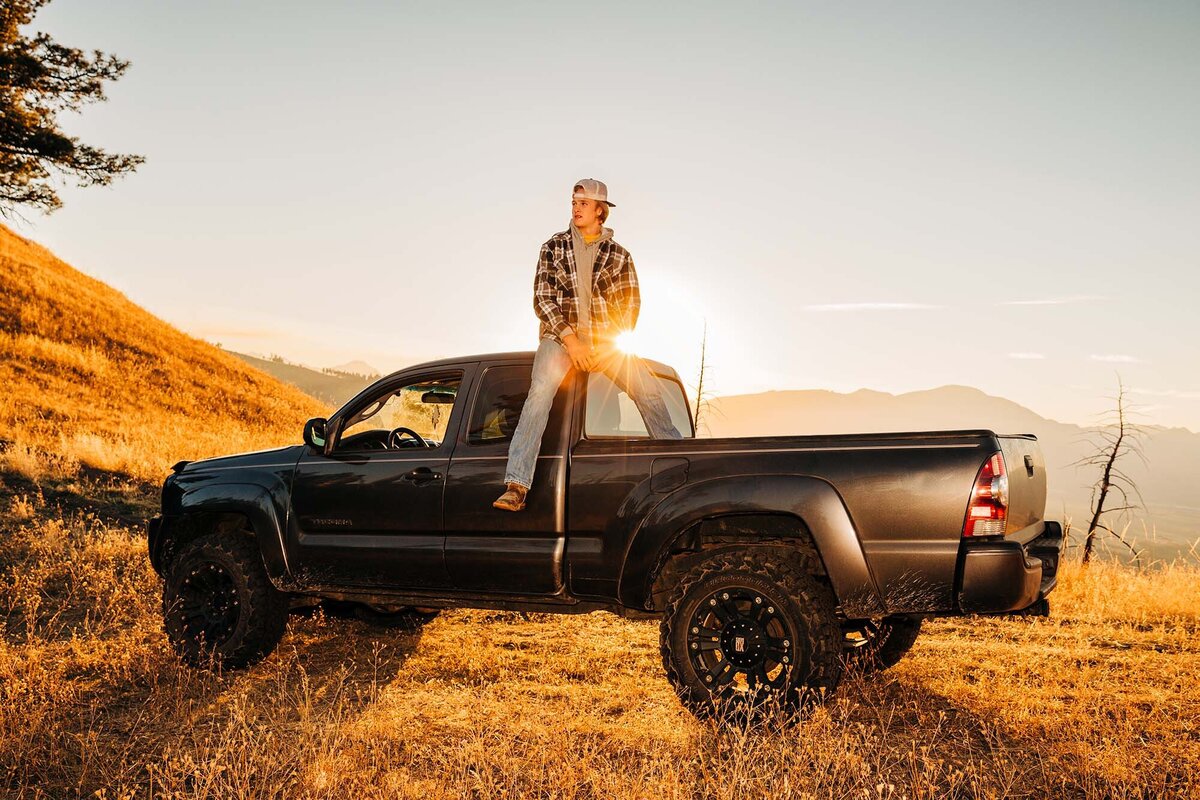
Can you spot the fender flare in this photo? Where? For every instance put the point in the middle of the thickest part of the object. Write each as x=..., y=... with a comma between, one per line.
x=258, y=505
x=813, y=501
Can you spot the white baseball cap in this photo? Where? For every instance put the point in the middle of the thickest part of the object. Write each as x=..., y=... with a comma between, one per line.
x=591, y=189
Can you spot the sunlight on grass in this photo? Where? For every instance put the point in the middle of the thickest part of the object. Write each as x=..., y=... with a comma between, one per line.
x=1097, y=701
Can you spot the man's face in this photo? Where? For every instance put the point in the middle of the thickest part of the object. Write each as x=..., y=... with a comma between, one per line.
x=585, y=213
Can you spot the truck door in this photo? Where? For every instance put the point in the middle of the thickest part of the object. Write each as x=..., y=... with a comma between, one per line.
x=369, y=512
x=617, y=473
x=487, y=549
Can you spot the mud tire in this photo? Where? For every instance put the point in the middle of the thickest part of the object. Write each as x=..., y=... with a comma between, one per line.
x=804, y=606
x=887, y=643
x=219, y=606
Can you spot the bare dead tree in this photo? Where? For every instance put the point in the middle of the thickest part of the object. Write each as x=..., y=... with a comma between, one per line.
x=700, y=382
x=703, y=396
x=1117, y=439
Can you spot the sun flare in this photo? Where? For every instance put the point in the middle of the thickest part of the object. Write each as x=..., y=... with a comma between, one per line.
x=627, y=342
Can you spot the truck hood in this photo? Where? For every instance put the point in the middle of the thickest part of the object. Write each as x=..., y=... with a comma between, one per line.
x=279, y=456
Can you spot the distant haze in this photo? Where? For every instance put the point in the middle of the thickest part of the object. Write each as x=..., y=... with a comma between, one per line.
x=357, y=368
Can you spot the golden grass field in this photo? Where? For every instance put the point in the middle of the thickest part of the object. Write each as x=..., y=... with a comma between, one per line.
x=1100, y=700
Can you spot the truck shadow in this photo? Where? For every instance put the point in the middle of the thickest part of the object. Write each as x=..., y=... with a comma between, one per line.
x=914, y=717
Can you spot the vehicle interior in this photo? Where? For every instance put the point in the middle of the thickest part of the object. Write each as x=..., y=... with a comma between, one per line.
x=413, y=416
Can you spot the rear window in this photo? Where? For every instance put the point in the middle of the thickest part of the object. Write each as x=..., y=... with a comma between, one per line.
x=612, y=413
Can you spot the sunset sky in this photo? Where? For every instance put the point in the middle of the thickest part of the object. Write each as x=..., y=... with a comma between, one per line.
x=881, y=195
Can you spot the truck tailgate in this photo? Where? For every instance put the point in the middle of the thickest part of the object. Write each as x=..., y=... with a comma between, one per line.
x=1026, y=469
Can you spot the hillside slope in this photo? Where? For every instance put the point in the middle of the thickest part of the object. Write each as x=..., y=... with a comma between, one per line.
x=335, y=388
x=92, y=378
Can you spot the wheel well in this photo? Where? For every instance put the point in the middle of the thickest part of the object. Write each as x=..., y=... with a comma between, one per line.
x=699, y=540
x=194, y=524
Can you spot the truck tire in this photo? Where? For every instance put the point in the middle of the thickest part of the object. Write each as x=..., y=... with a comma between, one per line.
x=878, y=644
x=745, y=628
x=219, y=607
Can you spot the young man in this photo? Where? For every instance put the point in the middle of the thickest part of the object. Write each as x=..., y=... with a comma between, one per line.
x=585, y=294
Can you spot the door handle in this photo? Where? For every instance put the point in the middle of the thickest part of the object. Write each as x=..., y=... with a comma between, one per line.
x=421, y=475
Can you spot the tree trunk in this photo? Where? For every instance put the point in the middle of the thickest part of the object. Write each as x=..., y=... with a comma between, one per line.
x=1105, y=483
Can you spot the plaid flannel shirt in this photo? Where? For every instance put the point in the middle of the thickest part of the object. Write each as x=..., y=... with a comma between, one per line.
x=615, y=296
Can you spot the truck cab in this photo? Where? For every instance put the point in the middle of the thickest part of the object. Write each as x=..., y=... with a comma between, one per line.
x=412, y=465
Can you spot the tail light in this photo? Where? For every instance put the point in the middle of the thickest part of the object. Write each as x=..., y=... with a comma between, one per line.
x=988, y=513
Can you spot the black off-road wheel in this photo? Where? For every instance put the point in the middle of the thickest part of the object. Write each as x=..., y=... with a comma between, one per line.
x=874, y=645
x=747, y=630
x=219, y=607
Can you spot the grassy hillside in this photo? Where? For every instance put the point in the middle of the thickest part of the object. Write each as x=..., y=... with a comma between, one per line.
x=334, y=388
x=92, y=379
x=1098, y=701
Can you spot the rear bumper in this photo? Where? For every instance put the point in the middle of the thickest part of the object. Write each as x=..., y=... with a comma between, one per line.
x=1000, y=577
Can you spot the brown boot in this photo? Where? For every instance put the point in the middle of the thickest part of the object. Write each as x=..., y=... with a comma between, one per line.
x=513, y=499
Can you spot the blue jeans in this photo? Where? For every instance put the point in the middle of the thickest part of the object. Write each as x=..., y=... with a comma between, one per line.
x=550, y=366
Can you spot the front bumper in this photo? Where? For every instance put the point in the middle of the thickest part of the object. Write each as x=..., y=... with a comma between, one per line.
x=997, y=577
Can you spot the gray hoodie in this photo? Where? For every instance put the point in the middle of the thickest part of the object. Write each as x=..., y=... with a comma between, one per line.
x=585, y=258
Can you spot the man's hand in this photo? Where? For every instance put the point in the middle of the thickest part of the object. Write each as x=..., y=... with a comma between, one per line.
x=603, y=352
x=579, y=353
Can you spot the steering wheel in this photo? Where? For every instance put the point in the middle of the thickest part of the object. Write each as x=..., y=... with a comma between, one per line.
x=397, y=436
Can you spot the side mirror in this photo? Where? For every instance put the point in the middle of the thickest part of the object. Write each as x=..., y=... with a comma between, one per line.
x=314, y=433
x=438, y=398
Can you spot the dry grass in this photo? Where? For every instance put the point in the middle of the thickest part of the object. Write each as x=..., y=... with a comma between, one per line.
x=92, y=379
x=1100, y=700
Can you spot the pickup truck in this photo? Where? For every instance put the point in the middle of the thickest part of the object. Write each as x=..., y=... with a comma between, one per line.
x=773, y=563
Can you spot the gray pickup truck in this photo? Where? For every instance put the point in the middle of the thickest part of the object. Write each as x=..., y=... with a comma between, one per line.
x=772, y=562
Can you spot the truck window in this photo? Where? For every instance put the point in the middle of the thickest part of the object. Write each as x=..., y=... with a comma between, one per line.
x=423, y=406
x=498, y=404
x=611, y=412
